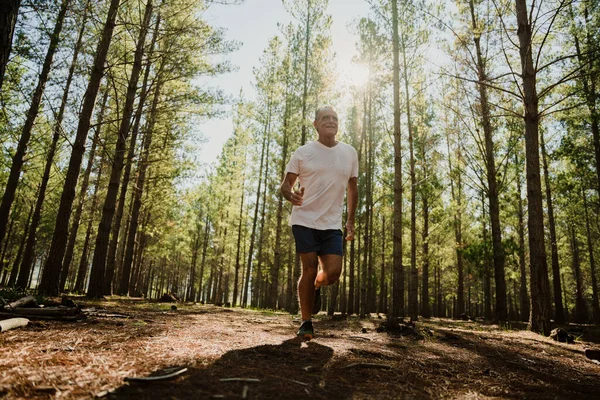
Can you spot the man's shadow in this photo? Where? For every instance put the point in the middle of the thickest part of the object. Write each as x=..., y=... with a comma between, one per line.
x=292, y=369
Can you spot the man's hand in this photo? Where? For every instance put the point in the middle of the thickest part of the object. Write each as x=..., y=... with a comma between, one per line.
x=350, y=230
x=297, y=197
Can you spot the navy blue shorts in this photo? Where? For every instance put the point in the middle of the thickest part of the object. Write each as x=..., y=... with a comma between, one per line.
x=322, y=242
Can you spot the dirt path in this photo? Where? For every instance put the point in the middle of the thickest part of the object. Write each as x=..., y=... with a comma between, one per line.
x=348, y=359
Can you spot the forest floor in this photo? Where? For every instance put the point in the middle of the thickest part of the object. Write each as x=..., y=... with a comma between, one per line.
x=347, y=359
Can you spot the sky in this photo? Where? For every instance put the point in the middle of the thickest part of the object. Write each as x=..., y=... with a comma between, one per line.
x=253, y=23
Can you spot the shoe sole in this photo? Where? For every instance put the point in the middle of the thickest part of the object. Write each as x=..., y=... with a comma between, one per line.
x=306, y=336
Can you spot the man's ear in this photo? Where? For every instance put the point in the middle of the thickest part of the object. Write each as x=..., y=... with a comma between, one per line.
x=315, y=123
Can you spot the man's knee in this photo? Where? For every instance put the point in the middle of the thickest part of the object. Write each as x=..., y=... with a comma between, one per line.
x=331, y=277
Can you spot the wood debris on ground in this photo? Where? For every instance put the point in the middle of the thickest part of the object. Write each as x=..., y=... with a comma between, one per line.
x=256, y=354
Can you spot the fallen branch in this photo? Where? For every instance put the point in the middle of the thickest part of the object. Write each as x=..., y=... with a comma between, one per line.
x=92, y=312
x=25, y=301
x=156, y=378
x=13, y=323
x=300, y=383
x=368, y=365
x=359, y=337
x=239, y=380
x=47, y=311
x=44, y=317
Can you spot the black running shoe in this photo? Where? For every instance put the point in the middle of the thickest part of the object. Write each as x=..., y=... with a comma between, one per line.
x=317, y=303
x=306, y=331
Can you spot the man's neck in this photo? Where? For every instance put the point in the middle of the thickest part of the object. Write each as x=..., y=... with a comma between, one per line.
x=328, y=141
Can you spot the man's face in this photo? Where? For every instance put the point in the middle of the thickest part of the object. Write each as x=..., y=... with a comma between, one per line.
x=326, y=123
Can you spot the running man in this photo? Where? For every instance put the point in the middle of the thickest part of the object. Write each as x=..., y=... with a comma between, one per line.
x=325, y=169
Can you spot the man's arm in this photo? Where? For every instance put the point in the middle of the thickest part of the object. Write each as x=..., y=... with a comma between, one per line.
x=352, y=203
x=294, y=197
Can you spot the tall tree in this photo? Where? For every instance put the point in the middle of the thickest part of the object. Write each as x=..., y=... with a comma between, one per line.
x=50, y=281
x=9, y=9
x=492, y=180
x=559, y=314
x=57, y=130
x=32, y=113
x=539, y=320
x=397, y=309
x=97, y=287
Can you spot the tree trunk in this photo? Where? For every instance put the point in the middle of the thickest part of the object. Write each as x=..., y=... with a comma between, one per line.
x=539, y=320
x=28, y=255
x=382, y=286
x=559, y=314
x=589, y=81
x=595, y=301
x=83, y=263
x=413, y=299
x=581, y=315
x=191, y=293
x=50, y=282
x=259, y=279
x=457, y=199
x=487, y=279
x=18, y=158
x=15, y=269
x=497, y=249
x=255, y=219
x=139, y=190
x=116, y=227
x=97, y=286
x=523, y=292
x=9, y=10
x=397, y=309
x=425, y=309
x=82, y=196
x=305, y=75
x=274, y=275
x=204, y=248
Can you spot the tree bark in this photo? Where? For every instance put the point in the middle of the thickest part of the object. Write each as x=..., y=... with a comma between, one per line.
x=50, y=281
x=66, y=264
x=497, y=249
x=559, y=314
x=397, y=309
x=139, y=190
x=305, y=75
x=413, y=299
x=539, y=320
x=590, y=244
x=15, y=269
x=97, y=282
x=28, y=255
x=274, y=275
x=116, y=227
x=36, y=101
x=255, y=219
x=523, y=292
x=9, y=10
x=83, y=263
x=581, y=314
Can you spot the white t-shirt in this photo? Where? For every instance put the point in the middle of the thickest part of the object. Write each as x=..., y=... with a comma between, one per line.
x=323, y=172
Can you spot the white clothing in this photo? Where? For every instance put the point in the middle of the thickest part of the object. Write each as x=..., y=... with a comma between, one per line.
x=323, y=172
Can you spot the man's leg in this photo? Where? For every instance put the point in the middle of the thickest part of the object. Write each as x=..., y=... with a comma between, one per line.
x=331, y=268
x=306, y=284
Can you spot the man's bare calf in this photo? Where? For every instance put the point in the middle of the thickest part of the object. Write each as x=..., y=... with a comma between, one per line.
x=312, y=278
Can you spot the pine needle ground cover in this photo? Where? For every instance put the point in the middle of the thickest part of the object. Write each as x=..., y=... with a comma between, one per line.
x=236, y=353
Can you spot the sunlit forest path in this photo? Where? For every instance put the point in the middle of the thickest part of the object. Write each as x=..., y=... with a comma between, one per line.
x=472, y=206
x=236, y=353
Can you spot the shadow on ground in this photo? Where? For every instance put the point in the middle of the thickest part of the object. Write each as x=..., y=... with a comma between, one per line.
x=292, y=369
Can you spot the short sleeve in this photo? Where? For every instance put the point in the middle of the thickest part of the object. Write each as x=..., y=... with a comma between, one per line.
x=354, y=164
x=294, y=165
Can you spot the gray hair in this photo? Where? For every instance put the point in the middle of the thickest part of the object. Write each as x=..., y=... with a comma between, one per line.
x=320, y=109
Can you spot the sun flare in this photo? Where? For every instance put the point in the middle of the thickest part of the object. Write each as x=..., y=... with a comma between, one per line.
x=355, y=74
